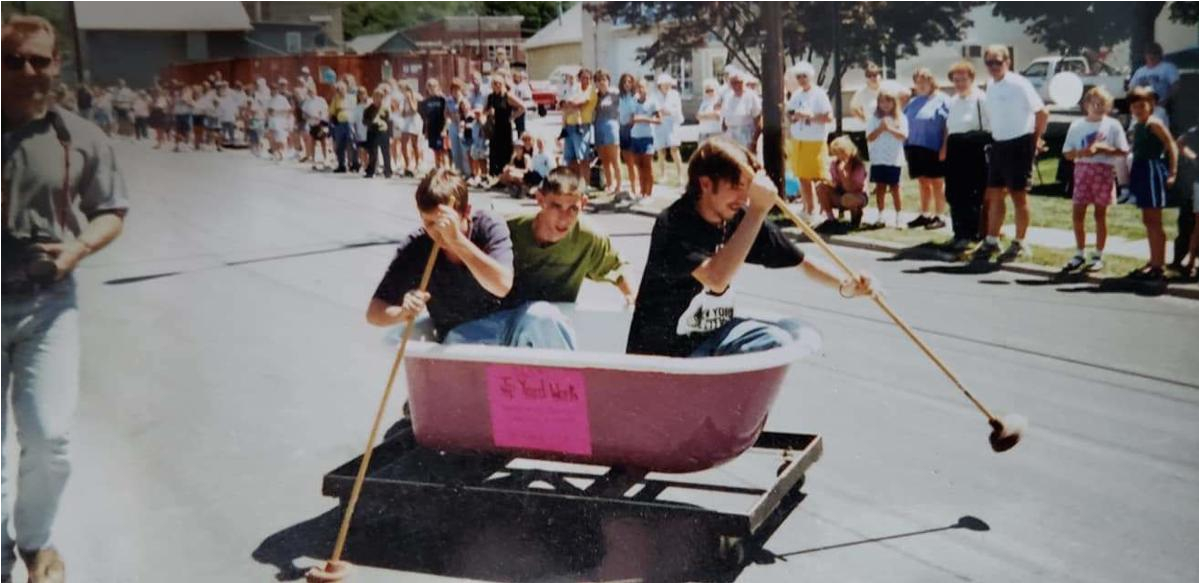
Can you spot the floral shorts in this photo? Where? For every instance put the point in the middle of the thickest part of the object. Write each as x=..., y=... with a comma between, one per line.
x=1094, y=184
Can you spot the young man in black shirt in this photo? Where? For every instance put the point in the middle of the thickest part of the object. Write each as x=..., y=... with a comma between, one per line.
x=433, y=114
x=685, y=304
x=473, y=273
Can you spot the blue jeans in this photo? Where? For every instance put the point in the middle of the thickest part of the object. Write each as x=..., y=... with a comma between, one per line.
x=533, y=324
x=745, y=335
x=41, y=379
x=342, y=145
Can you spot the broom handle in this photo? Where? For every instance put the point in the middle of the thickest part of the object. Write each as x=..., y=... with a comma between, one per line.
x=878, y=298
x=387, y=392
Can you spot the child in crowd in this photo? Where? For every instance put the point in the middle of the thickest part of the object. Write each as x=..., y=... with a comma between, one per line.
x=478, y=153
x=846, y=188
x=518, y=167
x=1152, y=173
x=886, y=132
x=1096, y=144
x=254, y=117
x=543, y=163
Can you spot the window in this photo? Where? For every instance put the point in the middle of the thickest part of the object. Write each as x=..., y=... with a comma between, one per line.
x=293, y=42
x=1038, y=69
x=972, y=51
x=1076, y=66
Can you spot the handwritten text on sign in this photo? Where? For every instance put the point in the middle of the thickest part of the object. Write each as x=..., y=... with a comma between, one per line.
x=539, y=408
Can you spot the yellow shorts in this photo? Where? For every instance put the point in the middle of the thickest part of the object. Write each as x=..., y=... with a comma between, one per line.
x=808, y=160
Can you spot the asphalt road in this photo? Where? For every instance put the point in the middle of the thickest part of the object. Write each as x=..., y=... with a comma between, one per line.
x=227, y=367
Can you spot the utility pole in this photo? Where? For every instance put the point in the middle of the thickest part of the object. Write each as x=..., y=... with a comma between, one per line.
x=836, y=85
x=75, y=36
x=771, y=20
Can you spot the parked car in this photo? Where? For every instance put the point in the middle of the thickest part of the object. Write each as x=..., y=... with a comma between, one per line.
x=1043, y=69
x=545, y=98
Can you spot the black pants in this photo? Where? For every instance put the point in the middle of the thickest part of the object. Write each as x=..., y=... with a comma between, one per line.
x=966, y=181
x=378, y=141
x=519, y=124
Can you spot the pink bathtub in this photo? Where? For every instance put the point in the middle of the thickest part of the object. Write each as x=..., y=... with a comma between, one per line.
x=595, y=405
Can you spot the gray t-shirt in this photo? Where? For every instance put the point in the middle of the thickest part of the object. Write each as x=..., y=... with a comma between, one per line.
x=608, y=106
x=33, y=177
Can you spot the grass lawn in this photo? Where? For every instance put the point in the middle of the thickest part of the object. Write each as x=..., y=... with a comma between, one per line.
x=1050, y=208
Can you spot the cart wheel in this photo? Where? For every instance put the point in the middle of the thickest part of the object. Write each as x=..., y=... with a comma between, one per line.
x=782, y=466
x=541, y=110
x=731, y=550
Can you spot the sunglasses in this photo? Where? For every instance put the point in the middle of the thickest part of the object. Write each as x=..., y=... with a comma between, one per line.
x=993, y=63
x=14, y=62
x=872, y=75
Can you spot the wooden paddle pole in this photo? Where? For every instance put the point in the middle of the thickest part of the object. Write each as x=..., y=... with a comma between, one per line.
x=883, y=305
x=340, y=544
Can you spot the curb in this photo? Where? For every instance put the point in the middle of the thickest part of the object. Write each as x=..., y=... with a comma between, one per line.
x=1026, y=269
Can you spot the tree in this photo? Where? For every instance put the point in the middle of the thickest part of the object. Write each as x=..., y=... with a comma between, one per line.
x=359, y=18
x=1071, y=27
x=866, y=29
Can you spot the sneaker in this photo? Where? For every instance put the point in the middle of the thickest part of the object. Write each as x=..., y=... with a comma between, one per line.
x=920, y=221
x=44, y=565
x=1015, y=251
x=985, y=251
x=935, y=223
x=1074, y=264
x=829, y=227
x=960, y=244
x=1095, y=264
x=1147, y=273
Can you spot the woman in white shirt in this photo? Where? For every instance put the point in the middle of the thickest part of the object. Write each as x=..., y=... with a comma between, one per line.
x=666, y=134
x=968, y=133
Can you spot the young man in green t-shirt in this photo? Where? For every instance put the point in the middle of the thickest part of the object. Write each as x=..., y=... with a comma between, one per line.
x=554, y=251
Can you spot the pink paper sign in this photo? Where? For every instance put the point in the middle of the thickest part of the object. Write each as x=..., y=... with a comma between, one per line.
x=539, y=408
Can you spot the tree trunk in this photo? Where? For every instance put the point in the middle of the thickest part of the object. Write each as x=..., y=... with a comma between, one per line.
x=771, y=17
x=1144, y=15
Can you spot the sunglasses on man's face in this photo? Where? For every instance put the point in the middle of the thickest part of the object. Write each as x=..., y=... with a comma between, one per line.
x=993, y=63
x=13, y=62
x=872, y=75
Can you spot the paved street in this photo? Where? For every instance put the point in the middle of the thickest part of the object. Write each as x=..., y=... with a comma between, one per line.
x=227, y=367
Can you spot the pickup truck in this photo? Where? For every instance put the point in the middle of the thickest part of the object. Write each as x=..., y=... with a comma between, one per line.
x=1043, y=69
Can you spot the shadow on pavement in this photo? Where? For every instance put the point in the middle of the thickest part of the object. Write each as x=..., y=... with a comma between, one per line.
x=1120, y=286
x=343, y=247
x=968, y=522
x=515, y=544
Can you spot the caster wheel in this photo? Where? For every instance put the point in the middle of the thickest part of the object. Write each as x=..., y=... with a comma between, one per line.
x=731, y=550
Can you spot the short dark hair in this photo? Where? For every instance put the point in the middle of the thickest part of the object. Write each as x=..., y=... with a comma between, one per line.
x=442, y=186
x=718, y=158
x=562, y=181
x=1141, y=94
x=1155, y=49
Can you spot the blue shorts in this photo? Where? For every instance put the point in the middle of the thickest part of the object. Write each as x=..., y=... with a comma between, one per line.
x=626, y=141
x=575, y=146
x=642, y=145
x=1148, y=183
x=436, y=142
x=607, y=132
x=882, y=174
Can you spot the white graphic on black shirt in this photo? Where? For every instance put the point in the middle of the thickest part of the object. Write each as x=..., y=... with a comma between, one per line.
x=706, y=313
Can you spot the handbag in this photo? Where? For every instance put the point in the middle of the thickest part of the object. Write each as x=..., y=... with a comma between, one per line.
x=979, y=136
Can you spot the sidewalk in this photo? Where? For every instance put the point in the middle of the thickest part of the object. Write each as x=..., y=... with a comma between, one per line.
x=1061, y=239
